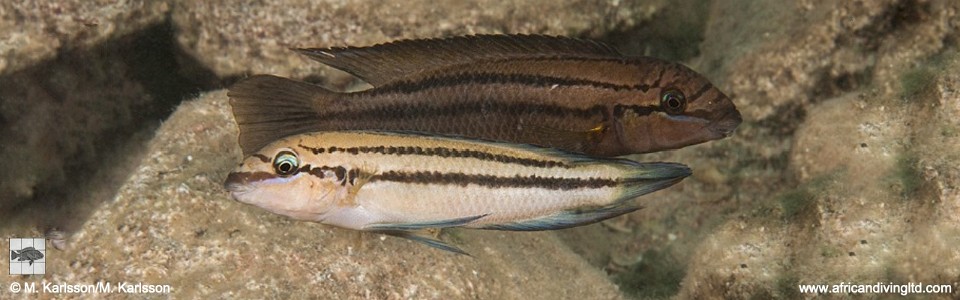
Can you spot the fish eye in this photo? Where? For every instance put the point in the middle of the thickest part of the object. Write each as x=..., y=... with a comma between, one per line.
x=673, y=102
x=286, y=163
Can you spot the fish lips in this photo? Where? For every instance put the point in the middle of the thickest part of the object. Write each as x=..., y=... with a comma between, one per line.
x=727, y=124
x=239, y=183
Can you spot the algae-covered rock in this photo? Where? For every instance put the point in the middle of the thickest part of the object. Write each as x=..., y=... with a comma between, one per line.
x=172, y=223
x=254, y=36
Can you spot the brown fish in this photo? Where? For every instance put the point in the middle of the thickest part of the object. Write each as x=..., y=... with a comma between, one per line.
x=571, y=94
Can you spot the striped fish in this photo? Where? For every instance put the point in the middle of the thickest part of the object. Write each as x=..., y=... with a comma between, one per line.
x=576, y=95
x=403, y=183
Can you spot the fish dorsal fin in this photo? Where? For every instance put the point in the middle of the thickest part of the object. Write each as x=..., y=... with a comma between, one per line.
x=387, y=62
x=268, y=107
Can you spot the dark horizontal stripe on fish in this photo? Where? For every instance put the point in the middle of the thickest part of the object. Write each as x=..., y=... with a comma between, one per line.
x=439, y=152
x=338, y=171
x=549, y=82
x=406, y=111
x=639, y=110
x=552, y=183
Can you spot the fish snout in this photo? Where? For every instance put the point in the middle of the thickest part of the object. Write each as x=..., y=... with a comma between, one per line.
x=727, y=124
x=236, y=183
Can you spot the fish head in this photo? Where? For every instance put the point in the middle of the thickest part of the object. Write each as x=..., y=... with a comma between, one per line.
x=278, y=178
x=680, y=108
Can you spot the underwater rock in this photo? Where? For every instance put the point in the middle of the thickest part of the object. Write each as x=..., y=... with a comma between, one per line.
x=35, y=30
x=254, y=37
x=826, y=47
x=173, y=223
x=876, y=199
x=71, y=126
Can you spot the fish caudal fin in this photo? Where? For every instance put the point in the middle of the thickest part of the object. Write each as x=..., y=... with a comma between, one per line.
x=14, y=255
x=268, y=107
x=645, y=178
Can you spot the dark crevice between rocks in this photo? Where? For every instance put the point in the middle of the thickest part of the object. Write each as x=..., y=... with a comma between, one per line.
x=673, y=34
x=657, y=275
x=77, y=125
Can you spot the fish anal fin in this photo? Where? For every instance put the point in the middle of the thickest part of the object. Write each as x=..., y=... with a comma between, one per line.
x=567, y=219
x=268, y=107
x=383, y=63
x=425, y=238
x=422, y=225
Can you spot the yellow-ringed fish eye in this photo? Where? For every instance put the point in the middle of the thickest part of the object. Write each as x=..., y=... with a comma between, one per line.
x=286, y=163
x=673, y=102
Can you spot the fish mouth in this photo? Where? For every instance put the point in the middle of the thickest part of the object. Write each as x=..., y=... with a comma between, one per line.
x=727, y=124
x=239, y=182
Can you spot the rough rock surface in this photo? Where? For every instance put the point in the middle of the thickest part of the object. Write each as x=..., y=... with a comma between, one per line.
x=172, y=223
x=254, y=36
x=848, y=165
x=841, y=171
x=35, y=30
x=846, y=169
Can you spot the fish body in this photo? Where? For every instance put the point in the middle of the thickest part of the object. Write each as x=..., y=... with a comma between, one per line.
x=570, y=94
x=398, y=183
x=29, y=254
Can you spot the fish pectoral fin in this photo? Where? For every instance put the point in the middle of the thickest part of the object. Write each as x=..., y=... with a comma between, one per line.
x=576, y=140
x=423, y=237
x=567, y=218
x=364, y=174
x=422, y=225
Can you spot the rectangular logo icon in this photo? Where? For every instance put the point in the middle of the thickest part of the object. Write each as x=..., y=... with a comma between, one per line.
x=28, y=256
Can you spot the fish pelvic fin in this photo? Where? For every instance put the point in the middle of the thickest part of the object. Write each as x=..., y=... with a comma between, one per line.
x=645, y=178
x=568, y=218
x=268, y=107
x=422, y=225
x=425, y=239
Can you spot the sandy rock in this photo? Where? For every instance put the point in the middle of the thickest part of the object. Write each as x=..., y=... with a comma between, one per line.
x=875, y=201
x=254, y=36
x=172, y=223
x=35, y=30
x=828, y=47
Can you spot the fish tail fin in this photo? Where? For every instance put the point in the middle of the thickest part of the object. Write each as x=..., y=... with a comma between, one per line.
x=268, y=107
x=645, y=178
x=14, y=255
